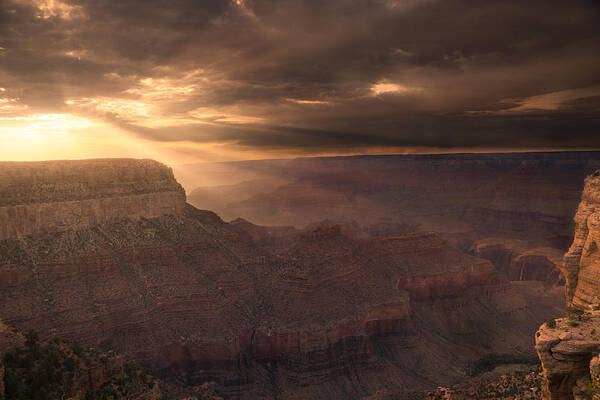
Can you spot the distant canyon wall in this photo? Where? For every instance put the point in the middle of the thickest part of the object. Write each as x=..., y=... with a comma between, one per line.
x=42, y=197
x=528, y=196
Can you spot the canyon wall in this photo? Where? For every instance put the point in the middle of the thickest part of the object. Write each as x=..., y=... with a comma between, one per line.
x=569, y=347
x=196, y=299
x=582, y=262
x=42, y=197
x=471, y=199
x=514, y=195
x=522, y=261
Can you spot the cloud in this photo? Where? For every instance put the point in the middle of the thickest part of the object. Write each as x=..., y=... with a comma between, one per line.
x=311, y=75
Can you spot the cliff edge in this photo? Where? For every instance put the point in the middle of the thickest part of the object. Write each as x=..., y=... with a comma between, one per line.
x=569, y=347
x=54, y=196
x=582, y=262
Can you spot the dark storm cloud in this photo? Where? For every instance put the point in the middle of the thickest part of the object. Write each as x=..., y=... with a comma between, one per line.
x=458, y=73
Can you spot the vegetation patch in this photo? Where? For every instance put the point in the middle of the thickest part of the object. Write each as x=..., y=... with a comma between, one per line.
x=488, y=363
x=61, y=369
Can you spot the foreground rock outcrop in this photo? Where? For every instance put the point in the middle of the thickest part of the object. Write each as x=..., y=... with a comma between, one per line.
x=568, y=348
x=197, y=300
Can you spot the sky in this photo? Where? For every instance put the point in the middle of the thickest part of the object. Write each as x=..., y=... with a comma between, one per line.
x=211, y=80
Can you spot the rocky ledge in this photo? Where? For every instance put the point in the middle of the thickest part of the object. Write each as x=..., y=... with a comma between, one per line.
x=44, y=197
x=568, y=349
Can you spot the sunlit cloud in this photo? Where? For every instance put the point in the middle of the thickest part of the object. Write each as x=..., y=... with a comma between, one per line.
x=10, y=105
x=240, y=119
x=160, y=88
x=126, y=109
x=212, y=116
x=300, y=101
x=386, y=87
x=166, y=88
x=553, y=101
x=246, y=10
x=78, y=54
x=54, y=8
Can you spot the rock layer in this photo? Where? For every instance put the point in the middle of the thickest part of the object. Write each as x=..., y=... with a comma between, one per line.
x=197, y=300
x=515, y=195
x=522, y=261
x=569, y=354
x=582, y=262
x=42, y=197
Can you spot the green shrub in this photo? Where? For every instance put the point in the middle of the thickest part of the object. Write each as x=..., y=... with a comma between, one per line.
x=50, y=369
x=574, y=313
x=590, y=389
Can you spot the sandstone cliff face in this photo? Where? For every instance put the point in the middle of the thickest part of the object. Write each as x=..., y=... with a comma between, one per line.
x=569, y=351
x=42, y=197
x=582, y=262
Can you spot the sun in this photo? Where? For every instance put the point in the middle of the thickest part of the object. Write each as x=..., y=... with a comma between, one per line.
x=65, y=136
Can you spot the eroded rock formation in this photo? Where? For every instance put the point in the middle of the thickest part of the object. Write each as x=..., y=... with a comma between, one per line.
x=197, y=300
x=582, y=262
x=568, y=348
x=522, y=261
x=43, y=197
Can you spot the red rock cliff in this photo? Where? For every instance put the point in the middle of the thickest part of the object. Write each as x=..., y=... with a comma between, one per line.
x=582, y=262
x=569, y=347
x=41, y=197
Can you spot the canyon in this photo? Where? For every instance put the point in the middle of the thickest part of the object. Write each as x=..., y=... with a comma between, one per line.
x=476, y=195
x=514, y=209
x=108, y=253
